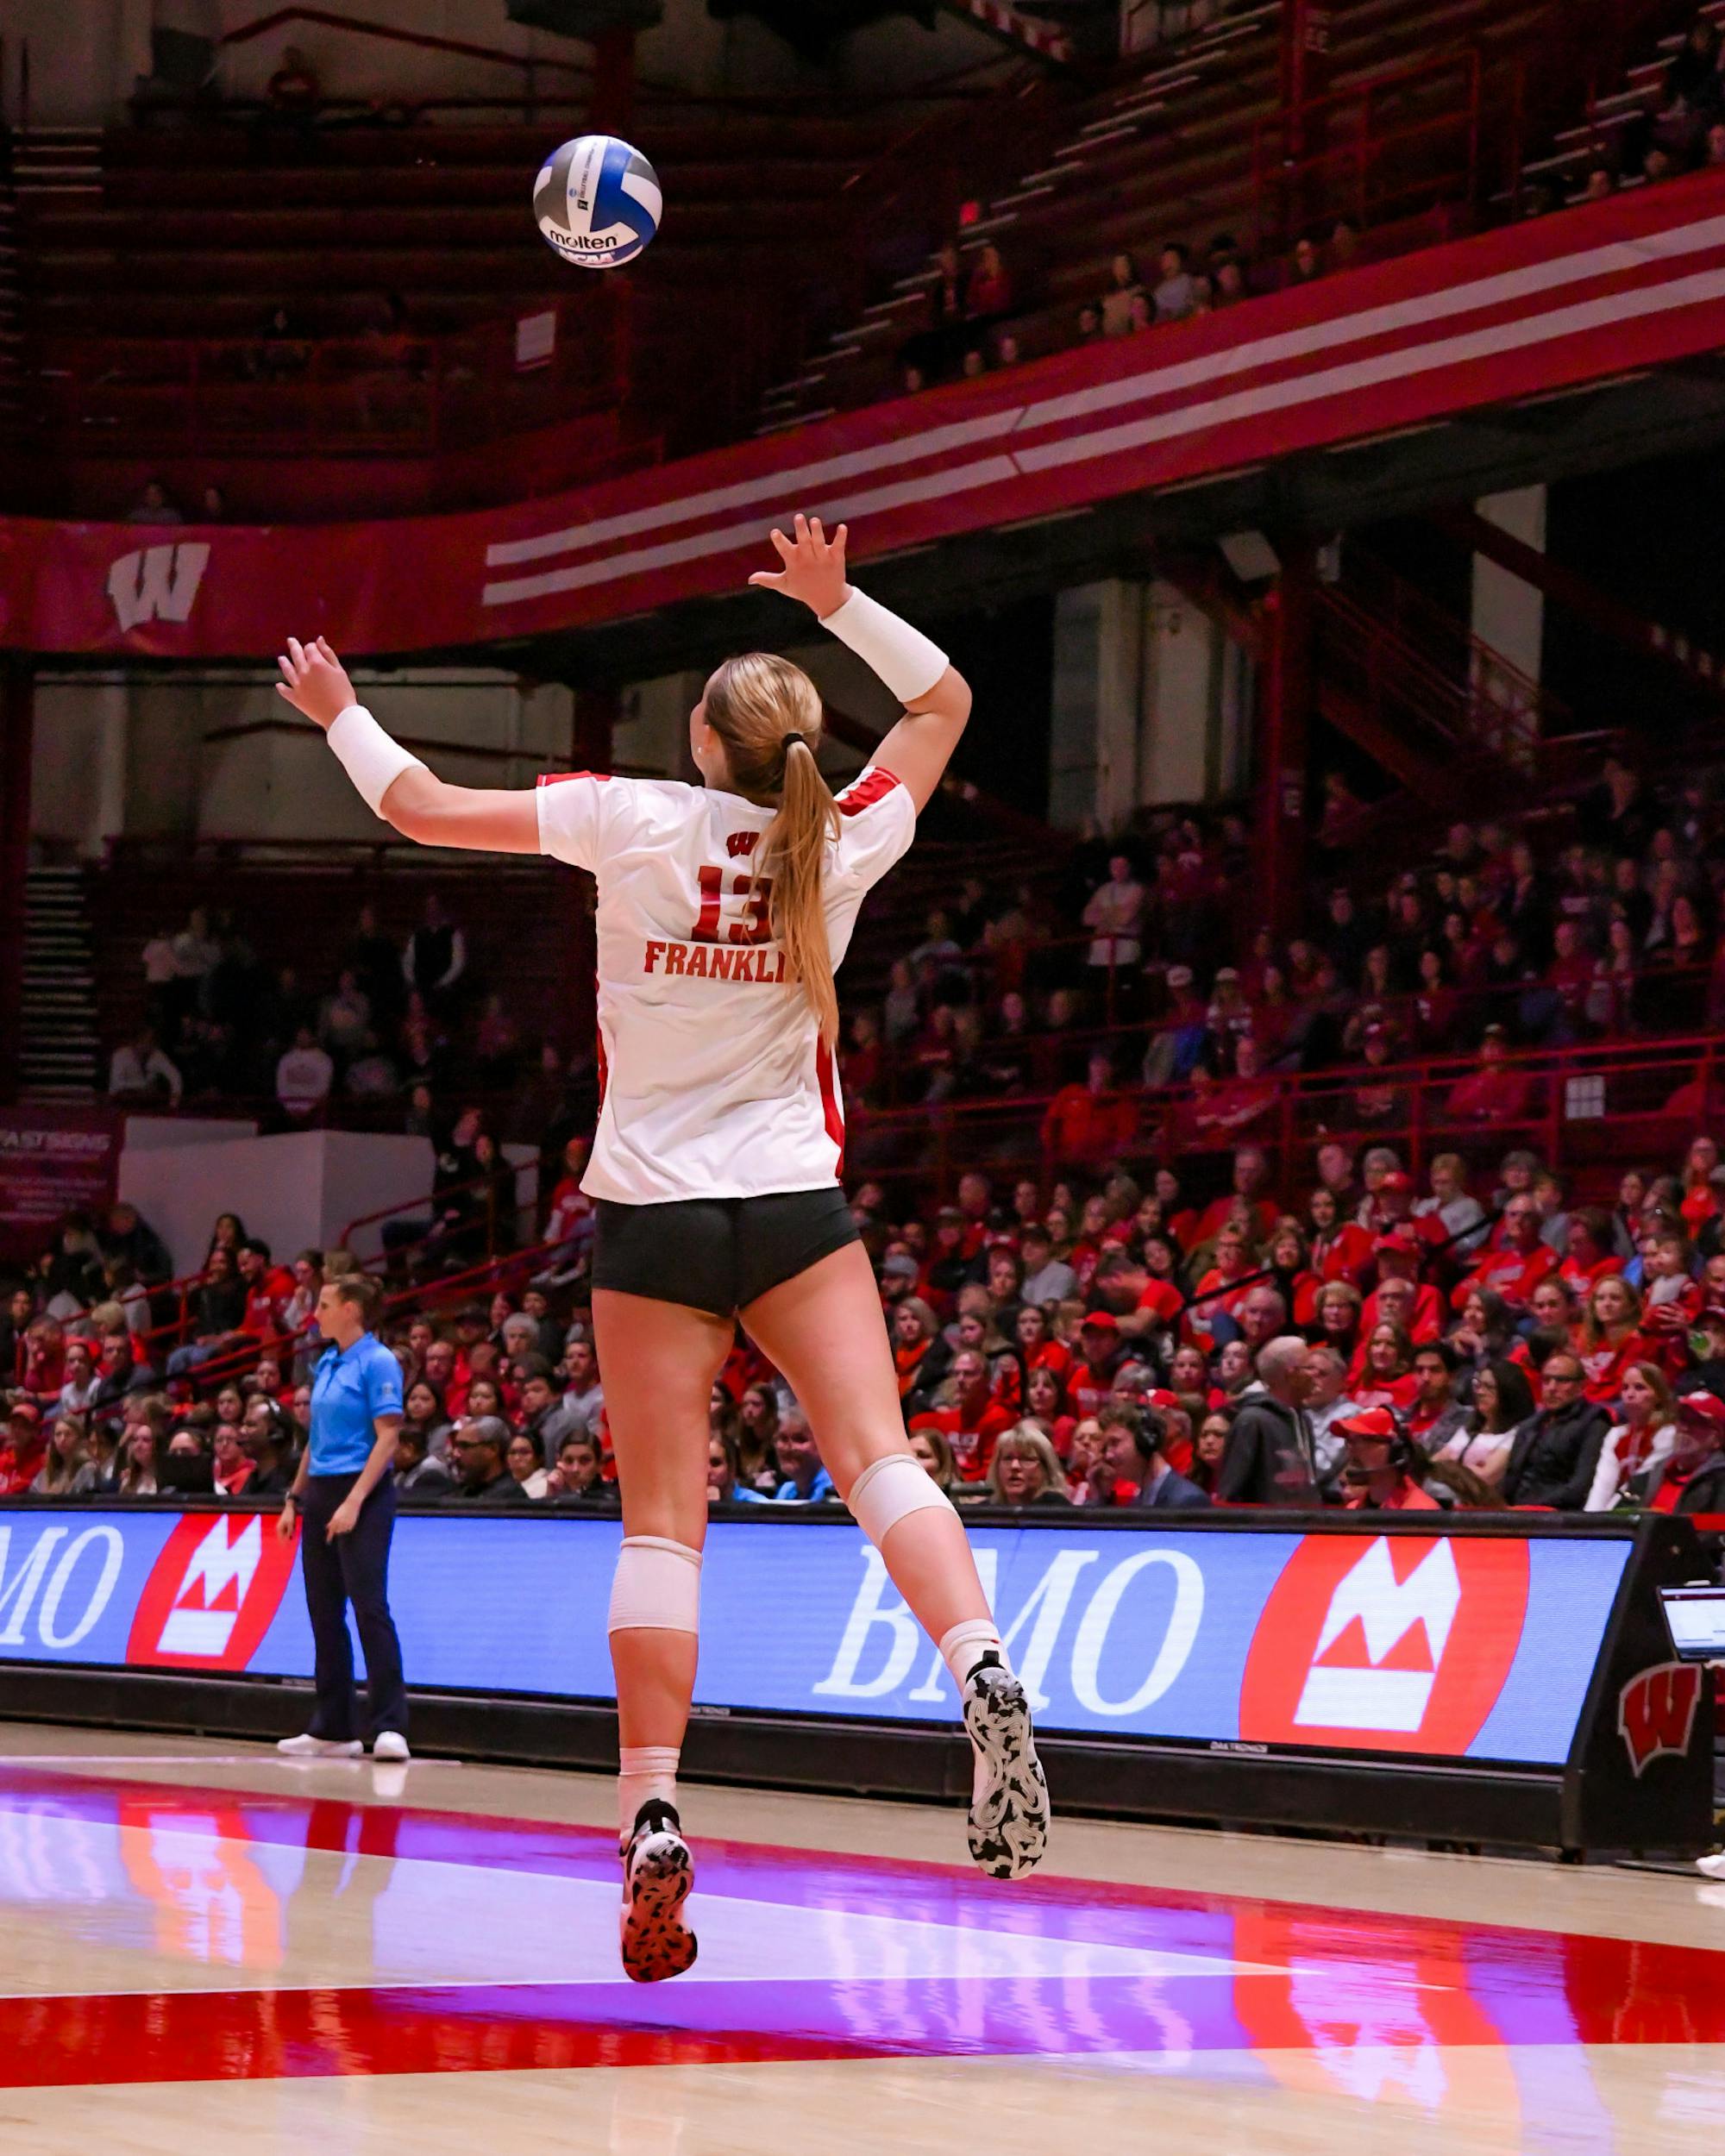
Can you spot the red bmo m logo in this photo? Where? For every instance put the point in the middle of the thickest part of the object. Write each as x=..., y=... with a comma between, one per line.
x=215, y=1587
x=1402, y=1646
x=1656, y=1712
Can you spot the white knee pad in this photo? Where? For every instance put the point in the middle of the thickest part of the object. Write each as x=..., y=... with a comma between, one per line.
x=656, y=1586
x=889, y=1490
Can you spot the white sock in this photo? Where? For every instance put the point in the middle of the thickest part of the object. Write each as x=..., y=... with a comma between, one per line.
x=963, y=1646
x=643, y=1771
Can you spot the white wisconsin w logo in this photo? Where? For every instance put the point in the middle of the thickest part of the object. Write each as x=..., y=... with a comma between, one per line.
x=194, y=1625
x=1357, y=1690
x=158, y=581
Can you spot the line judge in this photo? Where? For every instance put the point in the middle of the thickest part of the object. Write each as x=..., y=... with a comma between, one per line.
x=344, y=1495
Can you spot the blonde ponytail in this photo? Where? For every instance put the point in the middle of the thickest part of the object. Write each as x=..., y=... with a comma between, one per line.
x=766, y=712
x=791, y=855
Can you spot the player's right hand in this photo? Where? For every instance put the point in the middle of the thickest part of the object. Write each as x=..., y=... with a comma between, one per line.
x=814, y=566
x=314, y=681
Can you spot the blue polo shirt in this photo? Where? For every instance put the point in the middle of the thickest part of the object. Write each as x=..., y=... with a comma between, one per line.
x=350, y=1388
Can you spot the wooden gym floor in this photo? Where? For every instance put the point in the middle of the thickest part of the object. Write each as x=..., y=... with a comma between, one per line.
x=205, y=1950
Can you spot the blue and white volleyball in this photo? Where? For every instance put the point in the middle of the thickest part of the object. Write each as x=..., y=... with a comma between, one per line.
x=597, y=201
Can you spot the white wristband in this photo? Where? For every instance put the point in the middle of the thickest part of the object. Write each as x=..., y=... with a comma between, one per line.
x=903, y=657
x=367, y=755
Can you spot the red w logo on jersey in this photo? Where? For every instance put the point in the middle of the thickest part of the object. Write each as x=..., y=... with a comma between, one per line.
x=211, y=1594
x=1656, y=1711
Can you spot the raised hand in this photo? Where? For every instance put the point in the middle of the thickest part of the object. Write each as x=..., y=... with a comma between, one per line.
x=813, y=569
x=314, y=681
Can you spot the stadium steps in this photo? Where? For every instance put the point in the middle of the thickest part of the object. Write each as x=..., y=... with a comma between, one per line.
x=1169, y=155
x=57, y=1019
x=1573, y=148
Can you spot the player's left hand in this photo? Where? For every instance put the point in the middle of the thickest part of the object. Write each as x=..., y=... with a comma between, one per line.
x=814, y=566
x=315, y=682
x=343, y=1519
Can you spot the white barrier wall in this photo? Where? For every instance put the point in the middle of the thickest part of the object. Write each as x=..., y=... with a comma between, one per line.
x=299, y=1190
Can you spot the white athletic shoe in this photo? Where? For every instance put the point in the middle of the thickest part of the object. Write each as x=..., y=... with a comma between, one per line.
x=658, y=1871
x=1711, y=1867
x=1008, y=1832
x=311, y=1747
x=390, y=1744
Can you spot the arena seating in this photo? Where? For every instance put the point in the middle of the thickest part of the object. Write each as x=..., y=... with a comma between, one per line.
x=1424, y=122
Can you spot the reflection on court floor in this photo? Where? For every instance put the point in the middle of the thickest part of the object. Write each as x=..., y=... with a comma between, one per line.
x=163, y=1931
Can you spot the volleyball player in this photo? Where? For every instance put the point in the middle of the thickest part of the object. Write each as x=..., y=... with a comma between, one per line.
x=723, y=910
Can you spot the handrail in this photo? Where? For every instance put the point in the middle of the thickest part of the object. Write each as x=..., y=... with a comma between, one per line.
x=900, y=1060
x=242, y=729
x=427, y=1198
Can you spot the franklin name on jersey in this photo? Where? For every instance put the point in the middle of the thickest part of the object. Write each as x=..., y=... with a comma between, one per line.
x=708, y=1093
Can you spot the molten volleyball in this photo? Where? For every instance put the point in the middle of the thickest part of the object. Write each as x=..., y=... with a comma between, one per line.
x=597, y=201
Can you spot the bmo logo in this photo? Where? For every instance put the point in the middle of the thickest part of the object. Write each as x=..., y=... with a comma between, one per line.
x=1403, y=1646
x=210, y=1598
x=55, y=1585
x=1084, y=1629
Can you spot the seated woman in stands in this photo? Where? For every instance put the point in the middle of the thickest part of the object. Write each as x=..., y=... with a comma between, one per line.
x=1502, y=1401
x=1638, y=1443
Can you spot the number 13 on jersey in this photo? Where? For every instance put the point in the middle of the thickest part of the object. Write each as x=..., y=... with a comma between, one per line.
x=751, y=923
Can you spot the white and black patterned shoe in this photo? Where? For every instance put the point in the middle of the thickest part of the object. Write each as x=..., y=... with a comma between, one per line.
x=1009, y=1806
x=658, y=1872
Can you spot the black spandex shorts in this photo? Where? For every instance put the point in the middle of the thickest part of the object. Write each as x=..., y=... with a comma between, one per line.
x=718, y=1254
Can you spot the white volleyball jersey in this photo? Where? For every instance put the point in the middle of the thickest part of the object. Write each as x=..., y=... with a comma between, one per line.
x=715, y=1081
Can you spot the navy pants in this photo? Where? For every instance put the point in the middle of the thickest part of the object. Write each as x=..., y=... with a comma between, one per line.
x=353, y=1568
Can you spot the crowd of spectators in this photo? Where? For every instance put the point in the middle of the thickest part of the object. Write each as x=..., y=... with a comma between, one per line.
x=979, y=316
x=1602, y=926
x=388, y=1024
x=1099, y=1344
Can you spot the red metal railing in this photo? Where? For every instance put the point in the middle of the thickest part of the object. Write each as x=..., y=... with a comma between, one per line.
x=489, y=1274
x=1387, y=147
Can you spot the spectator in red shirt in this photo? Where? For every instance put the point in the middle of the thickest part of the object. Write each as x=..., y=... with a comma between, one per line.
x=1247, y=1098
x=988, y=292
x=1514, y=1271
x=1086, y=1124
x=1397, y=1253
x=22, y=1448
x=569, y=1223
x=1091, y=1379
x=1379, y=1473
x=968, y=1414
x=1381, y=1374
x=267, y=1290
x=1588, y=1253
x=1252, y=1172
x=1496, y=1093
x=1610, y=1337
x=1340, y=1249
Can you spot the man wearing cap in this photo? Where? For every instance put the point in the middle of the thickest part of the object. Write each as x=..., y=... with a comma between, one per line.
x=1556, y=1450
x=1093, y=1379
x=1692, y=1476
x=22, y=1447
x=1377, y=1474
x=900, y=1273
x=1270, y=1458
x=1178, y=1042
x=1398, y=1256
